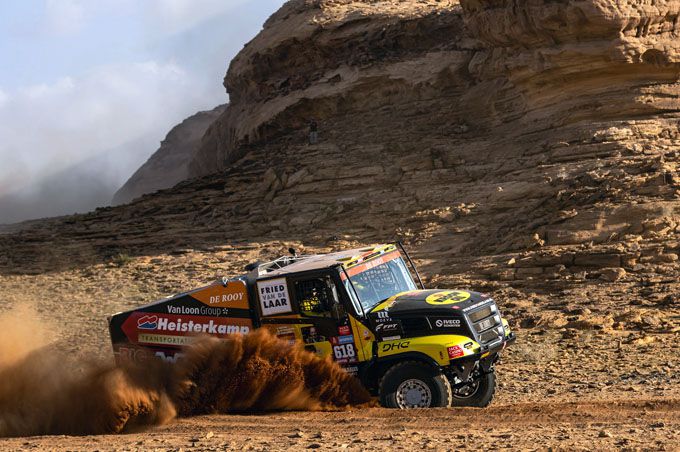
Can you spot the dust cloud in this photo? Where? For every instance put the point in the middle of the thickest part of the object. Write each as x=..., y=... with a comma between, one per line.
x=259, y=372
x=44, y=390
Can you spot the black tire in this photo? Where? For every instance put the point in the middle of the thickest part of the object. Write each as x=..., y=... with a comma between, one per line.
x=479, y=395
x=404, y=386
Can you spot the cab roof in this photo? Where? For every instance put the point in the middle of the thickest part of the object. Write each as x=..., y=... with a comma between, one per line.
x=295, y=264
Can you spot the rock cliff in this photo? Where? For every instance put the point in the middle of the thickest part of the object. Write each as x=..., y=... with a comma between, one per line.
x=526, y=142
x=169, y=164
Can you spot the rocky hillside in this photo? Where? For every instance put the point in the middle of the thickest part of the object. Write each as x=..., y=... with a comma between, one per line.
x=169, y=164
x=530, y=145
x=526, y=148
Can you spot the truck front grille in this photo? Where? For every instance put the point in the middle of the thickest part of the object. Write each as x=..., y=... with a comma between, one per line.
x=487, y=324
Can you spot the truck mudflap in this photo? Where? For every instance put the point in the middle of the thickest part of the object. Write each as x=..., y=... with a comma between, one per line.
x=160, y=329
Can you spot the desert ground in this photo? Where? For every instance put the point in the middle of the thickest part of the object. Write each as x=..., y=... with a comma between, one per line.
x=587, y=372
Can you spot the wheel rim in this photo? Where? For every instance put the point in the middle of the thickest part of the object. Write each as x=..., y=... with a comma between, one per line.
x=414, y=394
x=467, y=391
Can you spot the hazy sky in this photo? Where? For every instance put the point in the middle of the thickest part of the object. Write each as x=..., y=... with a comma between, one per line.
x=81, y=77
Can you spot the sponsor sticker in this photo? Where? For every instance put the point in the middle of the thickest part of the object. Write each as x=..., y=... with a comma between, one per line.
x=274, y=297
x=140, y=323
x=161, y=339
x=386, y=328
x=395, y=346
x=344, y=330
x=234, y=295
x=382, y=316
x=194, y=325
x=351, y=370
x=130, y=354
x=141, y=355
x=455, y=352
x=169, y=357
x=281, y=330
x=447, y=323
x=372, y=263
x=346, y=339
x=475, y=306
x=147, y=322
x=195, y=310
x=447, y=297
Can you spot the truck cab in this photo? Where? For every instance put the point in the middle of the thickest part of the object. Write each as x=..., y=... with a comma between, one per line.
x=363, y=309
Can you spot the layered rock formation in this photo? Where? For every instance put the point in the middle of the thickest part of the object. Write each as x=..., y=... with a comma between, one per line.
x=170, y=163
x=316, y=59
x=527, y=148
x=514, y=141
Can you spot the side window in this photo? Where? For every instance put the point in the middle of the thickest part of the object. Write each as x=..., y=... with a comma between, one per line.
x=314, y=297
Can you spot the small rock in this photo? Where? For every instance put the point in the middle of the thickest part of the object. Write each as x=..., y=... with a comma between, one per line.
x=538, y=240
x=314, y=446
x=605, y=434
x=209, y=435
x=612, y=274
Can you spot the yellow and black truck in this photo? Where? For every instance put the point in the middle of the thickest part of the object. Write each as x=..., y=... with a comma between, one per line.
x=366, y=309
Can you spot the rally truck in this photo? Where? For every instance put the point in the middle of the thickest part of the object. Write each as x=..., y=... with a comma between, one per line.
x=367, y=309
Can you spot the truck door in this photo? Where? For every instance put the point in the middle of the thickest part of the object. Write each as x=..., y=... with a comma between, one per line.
x=327, y=329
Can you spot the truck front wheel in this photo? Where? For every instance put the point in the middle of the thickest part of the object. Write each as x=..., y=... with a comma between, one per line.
x=411, y=384
x=478, y=393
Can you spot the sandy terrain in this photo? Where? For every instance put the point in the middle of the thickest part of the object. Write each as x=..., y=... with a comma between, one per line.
x=574, y=380
x=587, y=425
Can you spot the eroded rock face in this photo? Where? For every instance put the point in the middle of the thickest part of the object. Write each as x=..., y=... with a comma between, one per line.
x=169, y=164
x=540, y=133
x=315, y=59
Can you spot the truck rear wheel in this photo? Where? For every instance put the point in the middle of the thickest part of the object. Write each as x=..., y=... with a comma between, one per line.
x=411, y=384
x=479, y=393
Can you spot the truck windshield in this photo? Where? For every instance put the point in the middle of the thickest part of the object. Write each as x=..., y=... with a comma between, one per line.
x=377, y=283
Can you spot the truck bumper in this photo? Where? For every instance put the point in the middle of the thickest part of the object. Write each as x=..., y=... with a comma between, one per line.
x=461, y=368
